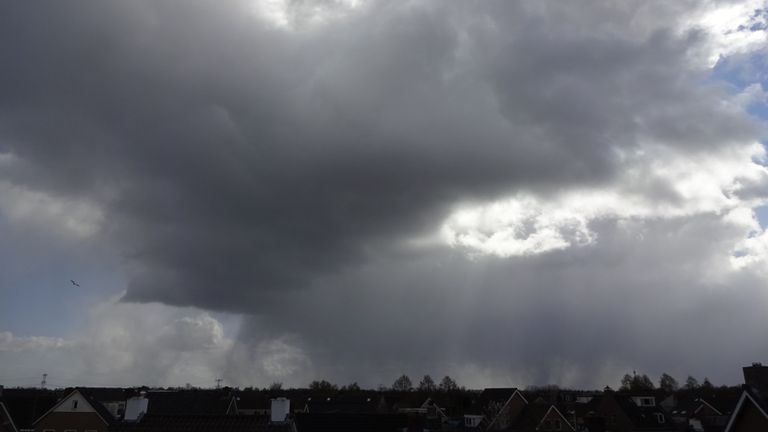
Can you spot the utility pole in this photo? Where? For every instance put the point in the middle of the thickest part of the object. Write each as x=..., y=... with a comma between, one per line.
x=42, y=383
x=218, y=383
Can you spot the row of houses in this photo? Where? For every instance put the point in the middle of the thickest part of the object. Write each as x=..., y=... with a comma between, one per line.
x=493, y=409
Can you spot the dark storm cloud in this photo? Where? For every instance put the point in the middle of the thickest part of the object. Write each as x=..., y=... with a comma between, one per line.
x=235, y=159
x=248, y=168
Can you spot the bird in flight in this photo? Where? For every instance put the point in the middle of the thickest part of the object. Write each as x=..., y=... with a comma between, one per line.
x=74, y=283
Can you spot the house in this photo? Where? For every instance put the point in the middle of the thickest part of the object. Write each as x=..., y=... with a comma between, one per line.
x=703, y=411
x=517, y=414
x=357, y=422
x=751, y=412
x=502, y=407
x=632, y=413
x=358, y=402
x=196, y=401
x=541, y=416
x=6, y=422
x=203, y=422
x=253, y=402
x=78, y=411
x=27, y=405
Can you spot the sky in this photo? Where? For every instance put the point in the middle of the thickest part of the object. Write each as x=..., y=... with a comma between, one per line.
x=509, y=193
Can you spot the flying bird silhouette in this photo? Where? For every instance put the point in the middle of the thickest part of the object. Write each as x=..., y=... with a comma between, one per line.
x=74, y=283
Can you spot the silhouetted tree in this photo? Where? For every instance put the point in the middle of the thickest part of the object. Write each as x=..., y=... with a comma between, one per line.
x=402, y=384
x=448, y=384
x=626, y=382
x=706, y=384
x=322, y=385
x=636, y=382
x=427, y=384
x=667, y=383
x=691, y=383
x=351, y=387
x=276, y=386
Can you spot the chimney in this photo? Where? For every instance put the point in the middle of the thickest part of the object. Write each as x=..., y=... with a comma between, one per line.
x=136, y=407
x=756, y=376
x=279, y=409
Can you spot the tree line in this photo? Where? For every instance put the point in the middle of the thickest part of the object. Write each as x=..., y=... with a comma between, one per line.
x=668, y=383
x=402, y=383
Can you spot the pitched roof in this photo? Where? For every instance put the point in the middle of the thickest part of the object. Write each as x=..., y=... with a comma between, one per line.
x=348, y=403
x=7, y=415
x=207, y=402
x=749, y=395
x=26, y=405
x=354, y=422
x=101, y=411
x=253, y=399
x=532, y=416
x=642, y=417
x=501, y=394
x=203, y=423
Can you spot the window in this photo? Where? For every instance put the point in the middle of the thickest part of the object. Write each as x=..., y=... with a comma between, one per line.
x=659, y=418
x=546, y=425
x=74, y=404
x=70, y=430
x=647, y=401
x=558, y=425
x=49, y=430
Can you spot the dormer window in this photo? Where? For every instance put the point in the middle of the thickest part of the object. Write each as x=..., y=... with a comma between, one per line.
x=644, y=401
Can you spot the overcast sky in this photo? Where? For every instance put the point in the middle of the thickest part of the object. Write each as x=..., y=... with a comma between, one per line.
x=506, y=192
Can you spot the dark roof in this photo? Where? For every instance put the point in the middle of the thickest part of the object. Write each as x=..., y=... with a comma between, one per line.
x=338, y=422
x=108, y=394
x=497, y=394
x=642, y=417
x=348, y=403
x=760, y=397
x=531, y=416
x=254, y=399
x=5, y=416
x=27, y=405
x=97, y=405
x=202, y=423
x=206, y=402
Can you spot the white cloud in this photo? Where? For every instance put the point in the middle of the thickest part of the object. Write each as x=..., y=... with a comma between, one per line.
x=11, y=343
x=733, y=27
x=128, y=344
x=72, y=217
x=294, y=15
x=657, y=182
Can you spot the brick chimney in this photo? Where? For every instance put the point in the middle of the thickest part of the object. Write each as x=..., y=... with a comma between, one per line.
x=756, y=376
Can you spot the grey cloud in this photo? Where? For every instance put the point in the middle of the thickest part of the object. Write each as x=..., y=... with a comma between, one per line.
x=651, y=298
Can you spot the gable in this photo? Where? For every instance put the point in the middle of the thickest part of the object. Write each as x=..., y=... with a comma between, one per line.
x=509, y=413
x=6, y=422
x=748, y=416
x=554, y=420
x=705, y=409
x=75, y=402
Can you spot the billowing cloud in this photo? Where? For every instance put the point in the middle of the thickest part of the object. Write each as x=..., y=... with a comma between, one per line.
x=125, y=344
x=502, y=191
